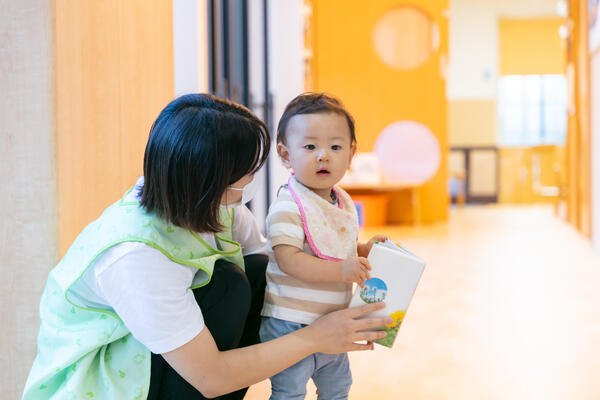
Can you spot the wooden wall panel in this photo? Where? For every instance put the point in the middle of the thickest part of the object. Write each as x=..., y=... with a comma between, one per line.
x=517, y=175
x=146, y=77
x=114, y=72
x=583, y=119
x=579, y=136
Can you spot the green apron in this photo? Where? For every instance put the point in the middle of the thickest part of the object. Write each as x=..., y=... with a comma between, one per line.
x=87, y=353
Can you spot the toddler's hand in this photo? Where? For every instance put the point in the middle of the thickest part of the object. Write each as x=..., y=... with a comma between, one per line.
x=365, y=248
x=356, y=269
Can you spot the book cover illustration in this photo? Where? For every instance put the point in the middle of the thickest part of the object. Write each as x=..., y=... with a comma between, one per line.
x=394, y=278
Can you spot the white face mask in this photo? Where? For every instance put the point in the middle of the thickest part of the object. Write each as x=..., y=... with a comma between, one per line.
x=248, y=192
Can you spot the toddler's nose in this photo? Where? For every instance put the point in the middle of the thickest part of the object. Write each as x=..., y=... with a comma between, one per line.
x=323, y=155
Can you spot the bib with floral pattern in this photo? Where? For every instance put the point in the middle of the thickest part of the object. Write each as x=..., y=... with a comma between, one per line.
x=331, y=230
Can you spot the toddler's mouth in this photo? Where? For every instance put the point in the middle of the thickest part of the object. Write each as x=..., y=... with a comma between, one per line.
x=322, y=172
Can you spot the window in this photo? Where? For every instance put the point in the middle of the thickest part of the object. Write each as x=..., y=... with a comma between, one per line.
x=532, y=109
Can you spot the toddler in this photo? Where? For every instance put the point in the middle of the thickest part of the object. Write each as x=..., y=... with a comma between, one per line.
x=312, y=230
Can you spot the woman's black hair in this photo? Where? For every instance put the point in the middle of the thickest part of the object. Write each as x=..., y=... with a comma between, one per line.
x=199, y=145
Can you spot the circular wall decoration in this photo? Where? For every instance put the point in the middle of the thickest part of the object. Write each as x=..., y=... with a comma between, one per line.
x=408, y=152
x=405, y=37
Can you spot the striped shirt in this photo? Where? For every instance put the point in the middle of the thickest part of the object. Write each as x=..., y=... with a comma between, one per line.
x=287, y=297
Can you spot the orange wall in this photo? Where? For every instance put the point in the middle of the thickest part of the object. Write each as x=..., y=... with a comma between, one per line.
x=472, y=122
x=345, y=64
x=114, y=73
x=531, y=46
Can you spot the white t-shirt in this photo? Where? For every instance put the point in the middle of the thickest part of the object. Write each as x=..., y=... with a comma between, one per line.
x=150, y=292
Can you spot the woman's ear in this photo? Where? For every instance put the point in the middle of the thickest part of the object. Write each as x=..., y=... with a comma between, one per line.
x=284, y=155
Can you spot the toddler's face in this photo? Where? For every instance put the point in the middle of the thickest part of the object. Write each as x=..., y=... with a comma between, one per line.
x=318, y=150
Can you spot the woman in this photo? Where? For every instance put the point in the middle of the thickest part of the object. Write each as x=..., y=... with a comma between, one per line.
x=160, y=297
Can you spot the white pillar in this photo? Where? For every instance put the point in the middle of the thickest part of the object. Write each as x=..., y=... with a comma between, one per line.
x=190, y=46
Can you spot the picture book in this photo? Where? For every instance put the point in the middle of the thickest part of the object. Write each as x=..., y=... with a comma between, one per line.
x=394, y=277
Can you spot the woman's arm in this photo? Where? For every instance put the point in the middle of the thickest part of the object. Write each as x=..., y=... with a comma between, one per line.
x=215, y=372
x=247, y=232
x=295, y=262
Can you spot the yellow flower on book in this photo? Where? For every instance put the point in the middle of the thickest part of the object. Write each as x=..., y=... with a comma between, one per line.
x=397, y=316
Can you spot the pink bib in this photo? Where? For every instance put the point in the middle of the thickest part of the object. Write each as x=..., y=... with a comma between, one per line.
x=331, y=230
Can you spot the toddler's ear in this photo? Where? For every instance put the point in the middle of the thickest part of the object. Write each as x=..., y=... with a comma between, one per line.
x=284, y=154
x=352, y=153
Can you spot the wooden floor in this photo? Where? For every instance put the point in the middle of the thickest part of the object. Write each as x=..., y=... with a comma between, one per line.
x=508, y=308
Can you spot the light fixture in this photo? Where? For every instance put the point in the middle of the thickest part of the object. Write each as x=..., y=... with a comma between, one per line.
x=563, y=31
x=562, y=8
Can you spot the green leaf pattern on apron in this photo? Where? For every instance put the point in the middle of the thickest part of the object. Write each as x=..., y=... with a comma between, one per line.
x=86, y=353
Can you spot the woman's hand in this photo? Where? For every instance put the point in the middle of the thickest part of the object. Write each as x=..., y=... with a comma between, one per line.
x=356, y=269
x=363, y=249
x=339, y=331
x=215, y=372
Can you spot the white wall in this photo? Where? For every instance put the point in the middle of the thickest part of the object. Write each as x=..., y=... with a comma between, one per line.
x=286, y=76
x=595, y=150
x=256, y=87
x=473, y=50
x=286, y=69
x=473, y=43
x=28, y=208
x=190, y=46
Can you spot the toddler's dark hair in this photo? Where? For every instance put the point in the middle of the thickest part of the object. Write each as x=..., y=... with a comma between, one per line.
x=312, y=103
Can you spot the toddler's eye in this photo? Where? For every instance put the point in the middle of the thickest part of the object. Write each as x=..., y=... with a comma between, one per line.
x=336, y=147
x=309, y=146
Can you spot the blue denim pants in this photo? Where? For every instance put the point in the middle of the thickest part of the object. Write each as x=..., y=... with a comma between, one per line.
x=330, y=372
